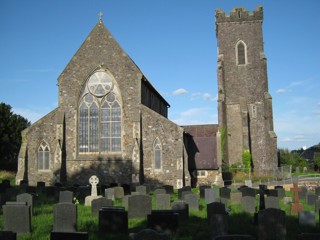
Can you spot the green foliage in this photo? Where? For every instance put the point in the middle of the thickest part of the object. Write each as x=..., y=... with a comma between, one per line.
x=223, y=132
x=316, y=162
x=11, y=126
x=246, y=158
x=292, y=158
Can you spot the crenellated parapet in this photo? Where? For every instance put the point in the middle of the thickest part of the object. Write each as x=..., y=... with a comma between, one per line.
x=239, y=14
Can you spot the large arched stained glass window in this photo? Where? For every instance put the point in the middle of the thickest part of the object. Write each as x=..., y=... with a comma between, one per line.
x=99, y=115
x=43, y=156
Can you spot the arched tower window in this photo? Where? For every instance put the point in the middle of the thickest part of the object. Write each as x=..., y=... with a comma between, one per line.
x=99, y=115
x=157, y=152
x=241, y=53
x=43, y=156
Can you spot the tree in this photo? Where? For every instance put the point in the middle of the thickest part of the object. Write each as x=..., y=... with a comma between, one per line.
x=11, y=126
x=316, y=162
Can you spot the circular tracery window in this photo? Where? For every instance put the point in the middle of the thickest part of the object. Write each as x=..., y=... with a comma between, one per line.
x=100, y=83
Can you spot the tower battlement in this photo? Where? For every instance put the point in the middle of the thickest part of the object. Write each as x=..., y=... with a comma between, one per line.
x=239, y=14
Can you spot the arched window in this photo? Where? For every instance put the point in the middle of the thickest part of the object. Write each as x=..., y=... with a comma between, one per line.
x=99, y=115
x=241, y=53
x=157, y=152
x=43, y=156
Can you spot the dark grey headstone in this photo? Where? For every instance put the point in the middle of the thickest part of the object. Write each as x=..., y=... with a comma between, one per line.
x=225, y=192
x=307, y=218
x=41, y=187
x=165, y=221
x=169, y=189
x=112, y=220
x=184, y=193
x=281, y=192
x=272, y=202
x=8, y=235
x=65, y=197
x=192, y=200
x=17, y=217
x=118, y=192
x=317, y=191
x=182, y=208
x=162, y=201
x=69, y=236
x=28, y=198
x=202, y=190
x=303, y=193
x=271, y=224
x=311, y=198
x=272, y=193
x=98, y=203
x=139, y=206
x=218, y=224
x=216, y=208
x=64, y=217
x=308, y=236
x=248, y=204
x=149, y=234
x=251, y=192
x=183, y=189
x=210, y=195
x=317, y=205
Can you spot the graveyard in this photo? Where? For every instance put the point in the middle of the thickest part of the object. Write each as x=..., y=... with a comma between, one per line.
x=98, y=211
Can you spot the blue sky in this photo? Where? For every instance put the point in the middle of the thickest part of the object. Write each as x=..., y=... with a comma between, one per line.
x=174, y=44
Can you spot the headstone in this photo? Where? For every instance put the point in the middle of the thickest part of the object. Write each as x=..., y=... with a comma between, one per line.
x=141, y=189
x=69, y=235
x=271, y=224
x=65, y=197
x=272, y=202
x=8, y=235
x=235, y=197
x=184, y=193
x=210, y=195
x=109, y=193
x=303, y=193
x=297, y=170
x=126, y=189
x=281, y=192
x=202, y=190
x=317, y=191
x=307, y=218
x=311, y=198
x=93, y=180
x=17, y=217
x=162, y=201
x=251, y=192
x=64, y=217
x=159, y=191
x=118, y=192
x=218, y=225
x=28, y=198
x=112, y=220
x=272, y=193
x=248, y=204
x=296, y=206
x=192, y=200
x=308, y=236
x=182, y=208
x=169, y=189
x=317, y=205
x=125, y=200
x=248, y=183
x=149, y=234
x=97, y=204
x=216, y=208
x=305, y=170
x=139, y=206
x=164, y=221
x=225, y=195
x=183, y=189
x=41, y=186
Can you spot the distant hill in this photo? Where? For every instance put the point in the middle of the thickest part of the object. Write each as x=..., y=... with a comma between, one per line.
x=309, y=153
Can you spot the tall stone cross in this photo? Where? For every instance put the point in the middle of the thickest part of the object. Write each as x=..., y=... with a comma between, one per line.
x=296, y=206
x=94, y=180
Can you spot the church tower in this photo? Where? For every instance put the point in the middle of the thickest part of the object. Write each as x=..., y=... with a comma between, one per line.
x=244, y=103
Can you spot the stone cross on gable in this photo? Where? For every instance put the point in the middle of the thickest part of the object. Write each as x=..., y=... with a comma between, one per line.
x=94, y=180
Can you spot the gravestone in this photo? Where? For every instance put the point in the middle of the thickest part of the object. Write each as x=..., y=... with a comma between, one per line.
x=64, y=217
x=281, y=192
x=183, y=189
x=202, y=190
x=307, y=218
x=162, y=201
x=17, y=217
x=317, y=205
x=69, y=236
x=216, y=208
x=192, y=200
x=184, y=193
x=93, y=180
x=141, y=190
x=65, y=197
x=271, y=224
x=126, y=189
x=248, y=204
x=297, y=170
x=218, y=225
x=311, y=198
x=235, y=197
x=98, y=203
x=41, y=186
x=28, y=198
x=308, y=236
x=149, y=234
x=182, y=208
x=272, y=193
x=303, y=193
x=317, y=191
x=251, y=192
x=118, y=192
x=169, y=189
x=139, y=206
x=164, y=221
x=225, y=195
x=8, y=235
x=272, y=202
x=210, y=195
x=109, y=193
x=159, y=191
x=296, y=206
x=112, y=220
x=248, y=183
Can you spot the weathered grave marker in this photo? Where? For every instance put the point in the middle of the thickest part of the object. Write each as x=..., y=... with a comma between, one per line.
x=307, y=218
x=162, y=201
x=17, y=217
x=93, y=180
x=165, y=221
x=98, y=203
x=139, y=206
x=64, y=217
x=271, y=224
x=112, y=220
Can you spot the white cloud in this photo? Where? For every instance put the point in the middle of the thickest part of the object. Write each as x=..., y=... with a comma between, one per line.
x=208, y=97
x=196, y=116
x=179, y=91
x=281, y=90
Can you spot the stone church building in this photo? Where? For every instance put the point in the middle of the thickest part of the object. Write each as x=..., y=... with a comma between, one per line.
x=111, y=122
